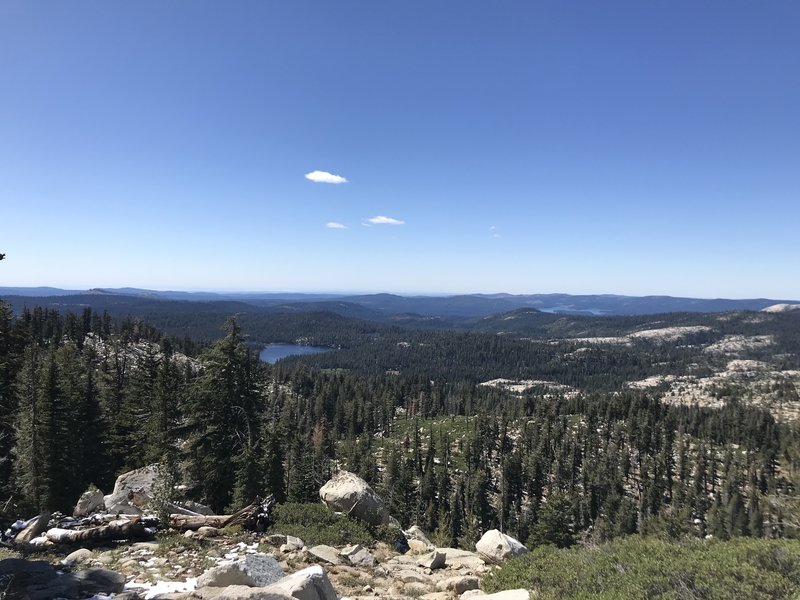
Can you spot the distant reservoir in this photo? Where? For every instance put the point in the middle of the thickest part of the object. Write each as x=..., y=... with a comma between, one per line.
x=274, y=352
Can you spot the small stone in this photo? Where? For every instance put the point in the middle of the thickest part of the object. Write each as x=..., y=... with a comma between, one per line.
x=276, y=539
x=208, y=532
x=82, y=555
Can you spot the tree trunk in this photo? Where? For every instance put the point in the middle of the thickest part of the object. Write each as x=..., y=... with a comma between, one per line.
x=131, y=530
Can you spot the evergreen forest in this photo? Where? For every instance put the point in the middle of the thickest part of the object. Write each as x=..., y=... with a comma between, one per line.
x=460, y=428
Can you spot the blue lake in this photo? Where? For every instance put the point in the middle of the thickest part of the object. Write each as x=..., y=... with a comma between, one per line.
x=274, y=352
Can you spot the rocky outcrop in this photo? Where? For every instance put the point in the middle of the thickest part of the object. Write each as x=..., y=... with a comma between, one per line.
x=497, y=547
x=347, y=493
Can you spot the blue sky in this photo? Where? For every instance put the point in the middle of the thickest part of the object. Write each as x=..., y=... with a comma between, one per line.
x=582, y=147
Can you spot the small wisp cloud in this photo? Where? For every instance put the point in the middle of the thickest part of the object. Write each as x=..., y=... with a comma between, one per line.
x=335, y=225
x=383, y=220
x=324, y=177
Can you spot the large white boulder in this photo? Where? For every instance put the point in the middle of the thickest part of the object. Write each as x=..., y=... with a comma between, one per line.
x=132, y=491
x=89, y=502
x=347, y=493
x=497, y=547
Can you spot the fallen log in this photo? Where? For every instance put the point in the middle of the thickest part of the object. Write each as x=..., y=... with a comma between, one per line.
x=254, y=517
x=194, y=522
x=127, y=530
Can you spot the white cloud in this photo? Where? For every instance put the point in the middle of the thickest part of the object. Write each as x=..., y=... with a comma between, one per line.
x=324, y=177
x=335, y=225
x=381, y=220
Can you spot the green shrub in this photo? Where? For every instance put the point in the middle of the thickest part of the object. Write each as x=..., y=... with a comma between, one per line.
x=317, y=524
x=648, y=568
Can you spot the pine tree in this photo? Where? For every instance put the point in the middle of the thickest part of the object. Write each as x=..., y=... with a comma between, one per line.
x=555, y=525
x=224, y=405
x=31, y=467
x=755, y=518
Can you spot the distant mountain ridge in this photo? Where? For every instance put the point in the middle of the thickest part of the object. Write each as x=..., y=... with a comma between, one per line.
x=384, y=306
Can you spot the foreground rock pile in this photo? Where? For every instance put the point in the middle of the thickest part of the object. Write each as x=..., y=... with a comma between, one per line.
x=209, y=563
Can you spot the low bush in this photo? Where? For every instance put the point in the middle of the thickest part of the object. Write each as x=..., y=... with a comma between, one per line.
x=649, y=568
x=317, y=524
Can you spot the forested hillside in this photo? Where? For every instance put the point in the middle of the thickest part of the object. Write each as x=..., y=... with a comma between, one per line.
x=554, y=440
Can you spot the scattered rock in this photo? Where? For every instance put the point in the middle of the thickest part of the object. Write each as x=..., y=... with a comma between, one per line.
x=89, y=502
x=464, y=559
x=415, y=533
x=410, y=576
x=497, y=547
x=415, y=589
x=327, y=554
x=292, y=544
x=346, y=492
x=417, y=547
x=208, y=532
x=359, y=556
x=276, y=539
x=459, y=584
x=518, y=594
x=434, y=560
x=78, y=556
